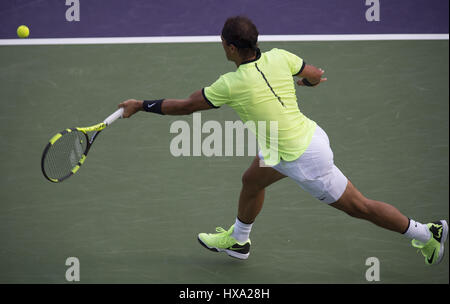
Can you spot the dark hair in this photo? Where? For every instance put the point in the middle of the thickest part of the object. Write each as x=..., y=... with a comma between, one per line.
x=242, y=33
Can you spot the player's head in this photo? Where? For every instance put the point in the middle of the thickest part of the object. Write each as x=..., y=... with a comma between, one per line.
x=239, y=38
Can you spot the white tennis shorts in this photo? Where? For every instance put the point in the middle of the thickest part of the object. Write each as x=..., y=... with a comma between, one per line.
x=315, y=171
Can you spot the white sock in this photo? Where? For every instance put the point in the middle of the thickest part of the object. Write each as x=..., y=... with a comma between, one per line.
x=418, y=231
x=241, y=231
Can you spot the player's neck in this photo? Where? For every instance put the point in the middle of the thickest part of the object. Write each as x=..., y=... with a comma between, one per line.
x=240, y=61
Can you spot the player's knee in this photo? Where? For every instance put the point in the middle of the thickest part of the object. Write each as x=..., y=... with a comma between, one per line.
x=246, y=178
x=360, y=208
x=249, y=180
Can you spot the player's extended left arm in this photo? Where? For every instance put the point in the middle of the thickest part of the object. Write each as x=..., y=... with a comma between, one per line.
x=195, y=102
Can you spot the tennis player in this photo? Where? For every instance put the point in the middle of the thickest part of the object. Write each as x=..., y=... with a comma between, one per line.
x=262, y=89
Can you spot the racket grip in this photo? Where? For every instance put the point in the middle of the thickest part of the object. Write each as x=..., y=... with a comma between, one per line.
x=113, y=117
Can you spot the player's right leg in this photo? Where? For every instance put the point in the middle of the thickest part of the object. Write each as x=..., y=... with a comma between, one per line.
x=429, y=238
x=357, y=205
x=316, y=173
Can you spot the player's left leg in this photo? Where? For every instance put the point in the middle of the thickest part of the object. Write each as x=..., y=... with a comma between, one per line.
x=254, y=181
x=235, y=241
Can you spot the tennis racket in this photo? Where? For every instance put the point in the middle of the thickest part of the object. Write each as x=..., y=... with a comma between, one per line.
x=66, y=151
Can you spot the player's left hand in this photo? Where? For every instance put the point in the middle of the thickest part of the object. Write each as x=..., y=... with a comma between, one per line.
x=322, y=79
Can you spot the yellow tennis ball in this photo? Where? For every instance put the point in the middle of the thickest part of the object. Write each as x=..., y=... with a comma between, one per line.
x=23, y=31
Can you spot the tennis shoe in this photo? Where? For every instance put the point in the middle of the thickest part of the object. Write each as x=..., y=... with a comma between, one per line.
x=433, y=250
x=222, y=241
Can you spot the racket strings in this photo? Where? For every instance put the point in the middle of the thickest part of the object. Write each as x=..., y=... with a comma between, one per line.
x=65, y=154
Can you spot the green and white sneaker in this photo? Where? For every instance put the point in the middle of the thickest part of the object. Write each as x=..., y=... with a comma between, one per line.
x=433, y=250
x=223, y=241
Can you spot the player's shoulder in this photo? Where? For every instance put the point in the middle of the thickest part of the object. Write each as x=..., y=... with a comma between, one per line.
x=272, y=52
x=224, y=80
x=227, y=77
x=277, y=53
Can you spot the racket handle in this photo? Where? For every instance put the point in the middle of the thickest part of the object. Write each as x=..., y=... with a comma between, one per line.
x=113, y=117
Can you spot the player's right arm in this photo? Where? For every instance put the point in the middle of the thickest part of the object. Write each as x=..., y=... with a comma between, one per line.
x=210, y=97
x=312, y=75
x=195, y=102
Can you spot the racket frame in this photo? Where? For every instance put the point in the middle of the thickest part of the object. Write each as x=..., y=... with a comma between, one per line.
x=89, y=141
x=54, y=139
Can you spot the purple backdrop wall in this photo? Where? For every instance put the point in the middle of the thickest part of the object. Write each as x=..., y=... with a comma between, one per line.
x=116, y=18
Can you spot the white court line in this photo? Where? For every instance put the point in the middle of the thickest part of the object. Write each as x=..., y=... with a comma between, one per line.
x=193, y=39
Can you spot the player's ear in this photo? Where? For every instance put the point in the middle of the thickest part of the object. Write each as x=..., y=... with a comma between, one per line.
x=233, y=48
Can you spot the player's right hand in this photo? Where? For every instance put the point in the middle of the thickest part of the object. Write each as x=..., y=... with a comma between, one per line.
x=130, y=107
